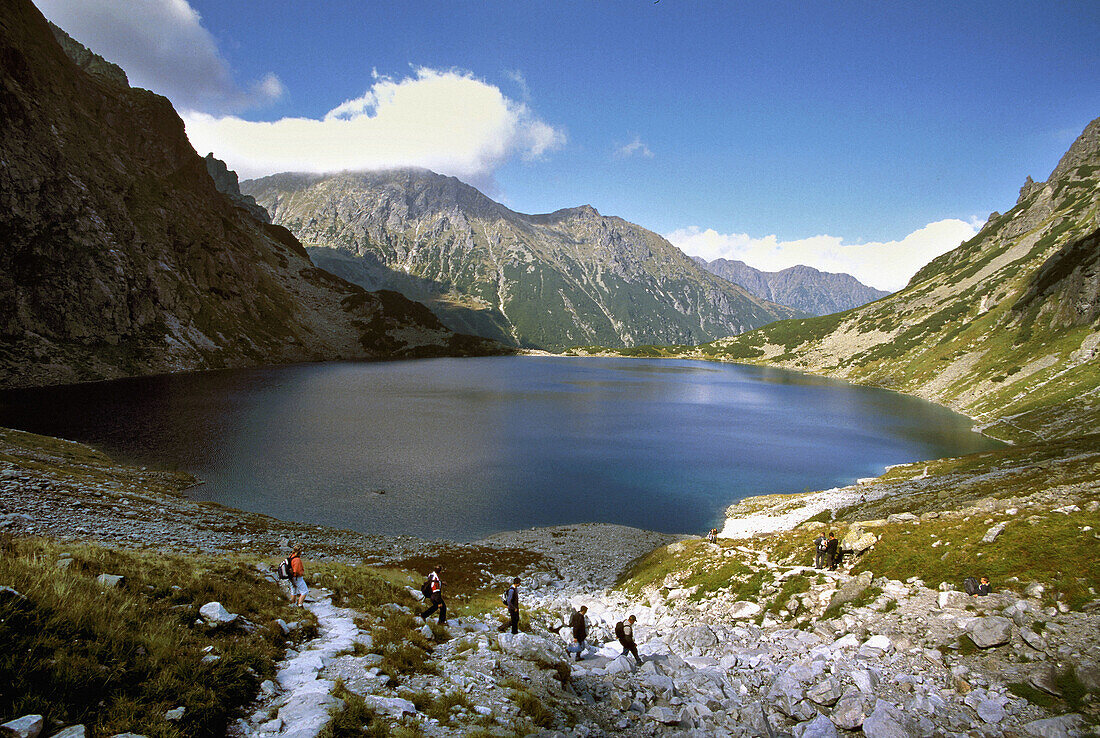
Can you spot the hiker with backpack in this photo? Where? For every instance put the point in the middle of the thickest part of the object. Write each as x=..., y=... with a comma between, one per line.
x=580, y=629
x=624, y=633
x=511, y=601
x=296, y=573
x=433, y=590
x=821, y=545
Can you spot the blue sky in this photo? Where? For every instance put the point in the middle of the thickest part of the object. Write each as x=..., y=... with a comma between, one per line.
x=770, y=131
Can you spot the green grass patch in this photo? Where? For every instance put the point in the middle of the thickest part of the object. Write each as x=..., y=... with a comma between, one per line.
x=865, y=598
x=1072, y=692
x=533, y=708
x=792, y=586
x=1051, y=549
x=652, y=568
x=355, y=719
x=117, y=659
x=403, y=647
x=360, y=587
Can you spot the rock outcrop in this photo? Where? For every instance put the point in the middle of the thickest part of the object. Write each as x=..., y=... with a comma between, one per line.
x=225, y=179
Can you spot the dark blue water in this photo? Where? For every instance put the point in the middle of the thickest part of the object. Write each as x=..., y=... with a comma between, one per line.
x=468, y=447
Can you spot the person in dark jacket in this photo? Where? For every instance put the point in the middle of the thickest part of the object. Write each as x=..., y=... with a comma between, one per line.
x=626, y=638
x=580, y=629
x=437, y=596
x=511, y=601
x=832, y=552
x=984, y=588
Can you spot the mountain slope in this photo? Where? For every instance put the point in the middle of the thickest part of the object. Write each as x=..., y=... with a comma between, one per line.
x=549, y=281
x=1005, y=328
x=801, y=287
x=121, y=257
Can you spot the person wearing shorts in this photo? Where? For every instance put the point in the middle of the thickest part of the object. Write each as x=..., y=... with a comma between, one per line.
x=298, y=586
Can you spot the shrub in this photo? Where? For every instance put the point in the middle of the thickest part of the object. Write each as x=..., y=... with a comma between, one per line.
x=532, y=707
x=354, y=719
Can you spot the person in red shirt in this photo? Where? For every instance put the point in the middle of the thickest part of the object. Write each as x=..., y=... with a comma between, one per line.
x=437, y=596
x=297, y=577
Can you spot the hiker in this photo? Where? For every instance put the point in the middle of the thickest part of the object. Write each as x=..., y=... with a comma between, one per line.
x=580, y=629
x=713, y=535
x=624, y=631
x=984, y=588
x=511, y=601
x=832, y=552
x=297, y=577
x=821, y=544
x=435, y=583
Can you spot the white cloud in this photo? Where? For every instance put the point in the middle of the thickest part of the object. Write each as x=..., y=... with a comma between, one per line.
x=162, y=46
x=885, y=265
x=449, y=122
x=634, y=148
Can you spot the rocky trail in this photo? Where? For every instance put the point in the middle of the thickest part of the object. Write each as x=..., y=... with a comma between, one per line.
x=299, y=701
x=888, y=666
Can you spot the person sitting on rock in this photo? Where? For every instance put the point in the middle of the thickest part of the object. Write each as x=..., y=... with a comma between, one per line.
x=624, y=632
x=984, y=588
x=436, y=582
x=511, y=601
x=832, y=551
x=297, y=577
x=580, y=629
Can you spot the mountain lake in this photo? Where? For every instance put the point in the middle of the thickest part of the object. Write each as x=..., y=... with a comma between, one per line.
x=462, y=448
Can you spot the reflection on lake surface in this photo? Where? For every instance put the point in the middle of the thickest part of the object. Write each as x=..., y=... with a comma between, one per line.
x=467, y=447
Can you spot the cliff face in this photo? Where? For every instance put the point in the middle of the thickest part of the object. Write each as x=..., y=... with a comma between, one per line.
x=801, y=287
x=550, y=281
x=1005, y=328
x=119, y=256
x=225, y=179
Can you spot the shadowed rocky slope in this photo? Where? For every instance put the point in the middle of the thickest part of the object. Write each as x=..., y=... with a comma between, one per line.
x=119, y=256
x=550, y=281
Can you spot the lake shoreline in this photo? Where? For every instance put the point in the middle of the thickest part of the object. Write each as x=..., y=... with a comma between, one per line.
x=499, y=444
x=70, y=492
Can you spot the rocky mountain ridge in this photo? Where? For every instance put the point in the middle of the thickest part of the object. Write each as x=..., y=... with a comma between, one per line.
x=540, y=281
x=121, y=257
x=1005, y=328
x=802, y=287
x=225, y=179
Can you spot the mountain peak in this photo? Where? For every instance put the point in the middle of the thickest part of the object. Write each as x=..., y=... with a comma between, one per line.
x=1085, y=151
x=581, y=211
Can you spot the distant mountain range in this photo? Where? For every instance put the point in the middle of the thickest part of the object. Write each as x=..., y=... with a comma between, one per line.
x=1005, y=328
x=801, y=287
x=550, y=281
x=121, y=257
